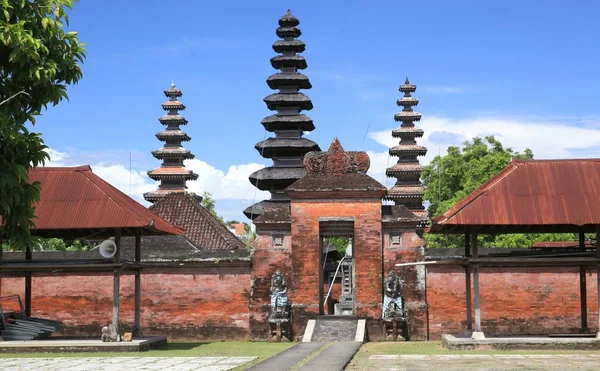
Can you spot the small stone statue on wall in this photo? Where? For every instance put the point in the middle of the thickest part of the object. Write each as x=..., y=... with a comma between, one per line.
x=109, y=334
x=392, y=301
x=279, y=299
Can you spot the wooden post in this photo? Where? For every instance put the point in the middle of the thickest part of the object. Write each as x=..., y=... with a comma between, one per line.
x=468, y=293
x=116, y=280
x=137, y=327
x=476, y=283
x=1, y=242
x=28, y=283
x=467, y=245
x=583, y=288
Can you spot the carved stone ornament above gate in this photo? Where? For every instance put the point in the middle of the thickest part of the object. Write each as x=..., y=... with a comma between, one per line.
x=337, y=161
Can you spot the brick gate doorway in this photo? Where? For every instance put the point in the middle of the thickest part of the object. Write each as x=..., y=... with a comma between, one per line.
x=336, y=276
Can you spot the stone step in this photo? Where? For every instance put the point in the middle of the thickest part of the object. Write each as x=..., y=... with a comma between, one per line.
x=335, y=328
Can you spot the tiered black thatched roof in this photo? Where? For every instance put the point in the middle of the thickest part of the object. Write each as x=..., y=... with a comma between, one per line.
x=408, y=190
x=171, y=174
x=288, y=147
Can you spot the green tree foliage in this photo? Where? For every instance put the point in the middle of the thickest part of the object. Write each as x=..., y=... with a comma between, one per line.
x=209, y=204
x=51, y=244
x=339, y=243
x=38, y=59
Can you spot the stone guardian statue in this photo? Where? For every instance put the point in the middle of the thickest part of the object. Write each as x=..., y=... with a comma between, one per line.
x=279, y=299
x=392, y=301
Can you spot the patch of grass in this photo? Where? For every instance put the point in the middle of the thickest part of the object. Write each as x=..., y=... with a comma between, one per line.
x=262, y=350
x=360, y=360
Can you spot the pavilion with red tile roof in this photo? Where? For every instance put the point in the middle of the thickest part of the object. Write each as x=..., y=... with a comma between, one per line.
x=530, y=196
x=76, y=203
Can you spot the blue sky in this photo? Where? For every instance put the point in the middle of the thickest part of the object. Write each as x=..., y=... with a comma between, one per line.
x=526, y=71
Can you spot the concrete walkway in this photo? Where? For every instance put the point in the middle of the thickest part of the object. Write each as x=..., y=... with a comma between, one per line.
x=496, y=362
x=313, y=356
x=124, y=363
x=335, y=357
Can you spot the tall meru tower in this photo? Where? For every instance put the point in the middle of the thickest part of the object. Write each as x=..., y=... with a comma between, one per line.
x=288, y=147
x=171, y=173
x=407, y=190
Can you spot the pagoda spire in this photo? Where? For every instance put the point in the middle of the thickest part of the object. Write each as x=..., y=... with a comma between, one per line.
x=171, y=173
x=407, y=190
x=288, y=146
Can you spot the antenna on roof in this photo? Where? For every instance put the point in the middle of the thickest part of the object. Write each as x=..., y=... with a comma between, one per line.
x=129, y=173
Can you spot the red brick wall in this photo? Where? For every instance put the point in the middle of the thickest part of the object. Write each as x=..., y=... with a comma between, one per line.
x=513, y=300
x=306, y=252
x=199, y=303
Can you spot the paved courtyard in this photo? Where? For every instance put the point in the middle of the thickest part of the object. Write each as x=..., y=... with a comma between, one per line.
x=500, y=362
x=124, y=363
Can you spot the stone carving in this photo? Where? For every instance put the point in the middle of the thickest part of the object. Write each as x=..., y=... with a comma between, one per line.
x=279, y=299
x=337, y=161
x=109, y=334
x=393, y=308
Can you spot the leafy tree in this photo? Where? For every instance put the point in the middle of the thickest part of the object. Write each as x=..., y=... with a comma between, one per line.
x=51, y=244
x=209, y=204
x=38, y=59
x=339, y=243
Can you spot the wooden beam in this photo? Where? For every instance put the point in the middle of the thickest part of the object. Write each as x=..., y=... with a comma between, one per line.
x=468, y=296
x=432, y=262
x=1, y=242
x=116, y=280
x=474, y=247
x=583, y=288
x=468, y=293
x=535, y=261
x=58, y=267
x=138, y=245
x=117, y=256
x=137, y=327
x=467, y=245
x=477, y=298
x=28, y=283
x=476, y=283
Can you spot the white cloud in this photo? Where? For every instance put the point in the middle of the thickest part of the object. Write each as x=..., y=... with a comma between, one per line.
x=56, y=158
x=547, y=137
x=233, y=184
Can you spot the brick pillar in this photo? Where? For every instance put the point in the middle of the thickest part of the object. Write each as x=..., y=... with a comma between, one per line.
x=268, y=257
x=403, y=245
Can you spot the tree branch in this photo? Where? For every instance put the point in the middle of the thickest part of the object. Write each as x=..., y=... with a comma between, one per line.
x=14, y=95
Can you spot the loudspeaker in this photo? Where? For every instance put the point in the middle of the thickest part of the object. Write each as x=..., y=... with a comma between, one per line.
x=107, y=249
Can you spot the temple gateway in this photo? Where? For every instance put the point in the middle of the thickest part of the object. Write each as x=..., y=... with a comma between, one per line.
x=332, y=244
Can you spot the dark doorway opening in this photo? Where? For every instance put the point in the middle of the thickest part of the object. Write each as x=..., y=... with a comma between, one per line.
x=336, y=268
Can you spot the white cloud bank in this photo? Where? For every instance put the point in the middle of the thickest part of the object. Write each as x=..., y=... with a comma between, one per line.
x=547, y=137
